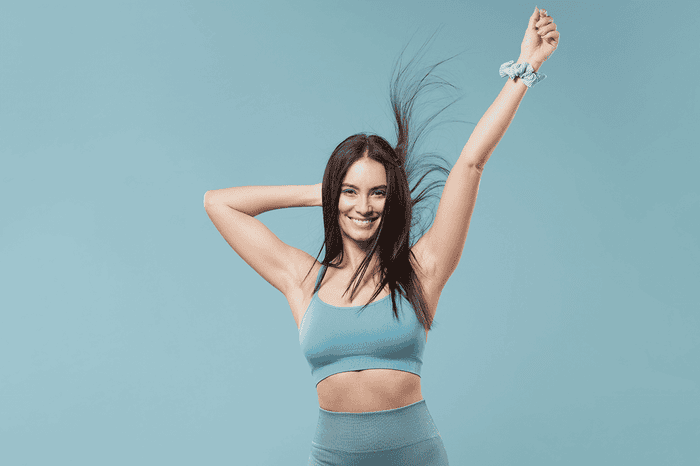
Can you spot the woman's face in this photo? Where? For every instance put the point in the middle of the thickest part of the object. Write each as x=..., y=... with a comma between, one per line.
x=362, y=197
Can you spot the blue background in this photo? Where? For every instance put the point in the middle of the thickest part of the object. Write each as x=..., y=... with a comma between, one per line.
x=130, y=333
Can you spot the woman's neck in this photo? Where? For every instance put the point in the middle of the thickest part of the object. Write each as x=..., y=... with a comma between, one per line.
x=354, y=254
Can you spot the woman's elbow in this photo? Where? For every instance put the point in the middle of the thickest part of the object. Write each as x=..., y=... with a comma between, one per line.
x=208, y=198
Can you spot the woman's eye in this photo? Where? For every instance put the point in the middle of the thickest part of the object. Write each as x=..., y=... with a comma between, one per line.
x=378, y=192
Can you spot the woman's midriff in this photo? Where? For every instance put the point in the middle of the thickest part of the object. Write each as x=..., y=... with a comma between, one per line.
x=368, y=390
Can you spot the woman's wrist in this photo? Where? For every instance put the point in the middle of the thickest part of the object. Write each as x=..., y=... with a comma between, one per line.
x=317, y=195
x=535, y=65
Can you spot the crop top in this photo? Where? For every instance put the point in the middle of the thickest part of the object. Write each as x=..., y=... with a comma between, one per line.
x=341, y=339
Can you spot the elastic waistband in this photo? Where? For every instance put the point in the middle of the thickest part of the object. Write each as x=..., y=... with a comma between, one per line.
x=375, y=430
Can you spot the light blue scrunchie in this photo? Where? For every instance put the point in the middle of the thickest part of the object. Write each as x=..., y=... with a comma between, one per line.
x=524, y=71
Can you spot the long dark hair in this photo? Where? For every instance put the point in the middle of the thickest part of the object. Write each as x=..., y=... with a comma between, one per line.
x=405, y=173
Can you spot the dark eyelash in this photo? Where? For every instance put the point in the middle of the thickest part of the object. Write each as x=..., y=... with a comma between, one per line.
x=379, y=191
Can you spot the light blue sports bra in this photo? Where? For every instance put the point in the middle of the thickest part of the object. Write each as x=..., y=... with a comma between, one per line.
x=340, y=339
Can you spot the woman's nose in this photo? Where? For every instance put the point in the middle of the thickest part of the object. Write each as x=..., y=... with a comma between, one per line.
x=365, y=206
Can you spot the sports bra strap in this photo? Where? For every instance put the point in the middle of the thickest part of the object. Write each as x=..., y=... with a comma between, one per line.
x=318, y=277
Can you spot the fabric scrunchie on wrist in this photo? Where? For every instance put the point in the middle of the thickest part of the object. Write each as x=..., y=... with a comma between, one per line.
x=524, y=71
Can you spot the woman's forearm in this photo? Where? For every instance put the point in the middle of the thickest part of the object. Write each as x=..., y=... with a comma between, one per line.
x=540, y=41
x=494, y=123
x=254, y=200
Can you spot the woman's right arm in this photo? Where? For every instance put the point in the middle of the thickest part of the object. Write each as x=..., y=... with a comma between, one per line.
x=232, y=210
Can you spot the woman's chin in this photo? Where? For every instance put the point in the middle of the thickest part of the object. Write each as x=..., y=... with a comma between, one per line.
x=361, y=238
x=366, y=238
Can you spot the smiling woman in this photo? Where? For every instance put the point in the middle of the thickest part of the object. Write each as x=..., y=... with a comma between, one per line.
x=367, y=217
x=365, y=350
x=362, y=197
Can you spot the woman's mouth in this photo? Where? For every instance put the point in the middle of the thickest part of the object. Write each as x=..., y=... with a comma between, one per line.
x=363, y=223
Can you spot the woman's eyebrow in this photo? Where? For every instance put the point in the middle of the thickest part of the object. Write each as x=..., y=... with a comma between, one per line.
x=355, y=187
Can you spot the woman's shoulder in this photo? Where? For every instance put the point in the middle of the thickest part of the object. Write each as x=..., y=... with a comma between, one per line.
x=306, y=271
x=424, y=268
x=300, y=295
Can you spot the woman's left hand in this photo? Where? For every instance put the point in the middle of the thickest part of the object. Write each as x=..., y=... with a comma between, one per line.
x=541, y=39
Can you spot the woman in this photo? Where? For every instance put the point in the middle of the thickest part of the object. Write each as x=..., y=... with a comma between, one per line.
x=365, y=349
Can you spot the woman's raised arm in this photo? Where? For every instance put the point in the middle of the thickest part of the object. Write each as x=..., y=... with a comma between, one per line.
x=440, y=249
x=232, y=210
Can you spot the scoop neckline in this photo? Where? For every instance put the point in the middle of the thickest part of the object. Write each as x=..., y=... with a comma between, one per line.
x=352, y=307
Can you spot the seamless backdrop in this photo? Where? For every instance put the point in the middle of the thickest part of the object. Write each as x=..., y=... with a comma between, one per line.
x=130, y=333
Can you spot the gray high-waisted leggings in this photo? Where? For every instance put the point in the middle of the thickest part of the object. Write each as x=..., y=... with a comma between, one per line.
x=404, y=436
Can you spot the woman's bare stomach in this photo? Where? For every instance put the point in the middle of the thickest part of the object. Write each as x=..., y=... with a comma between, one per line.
x=368, y=390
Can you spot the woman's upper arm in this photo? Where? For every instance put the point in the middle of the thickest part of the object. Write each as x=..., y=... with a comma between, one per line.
x=440, y=249
x=277, y=262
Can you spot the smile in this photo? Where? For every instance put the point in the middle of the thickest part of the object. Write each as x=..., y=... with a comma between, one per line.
x=363, y=223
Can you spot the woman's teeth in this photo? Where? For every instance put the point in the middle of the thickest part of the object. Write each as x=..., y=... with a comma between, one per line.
x=362, y=222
